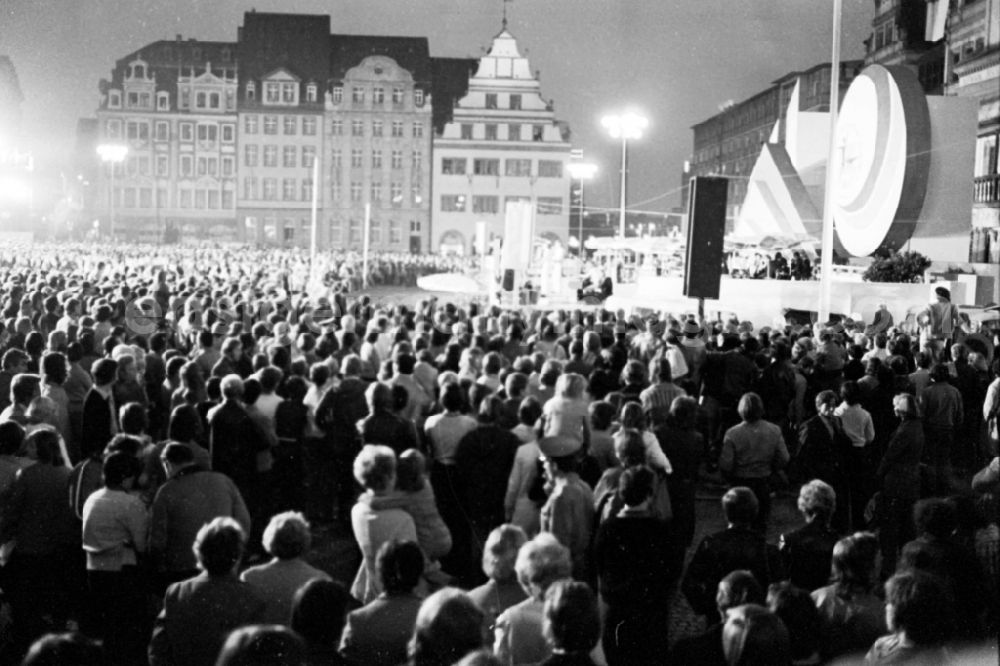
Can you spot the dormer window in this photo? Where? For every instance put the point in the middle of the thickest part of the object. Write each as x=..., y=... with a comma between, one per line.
x=311, y=92
x=251, y=91
x=338, y=95
x=162, y=101
x=418, y=97
x=137, y=71
x=280, y=92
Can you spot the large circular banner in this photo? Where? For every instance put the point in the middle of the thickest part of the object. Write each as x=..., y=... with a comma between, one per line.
x=882, y=141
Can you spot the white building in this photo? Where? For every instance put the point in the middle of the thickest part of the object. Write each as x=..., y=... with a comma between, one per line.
x=503, y=144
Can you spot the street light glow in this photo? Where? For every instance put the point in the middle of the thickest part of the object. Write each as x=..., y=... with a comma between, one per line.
x=581, y=170
x=626, y=125
x=112, y=152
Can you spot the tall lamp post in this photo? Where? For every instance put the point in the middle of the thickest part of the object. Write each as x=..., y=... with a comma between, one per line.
x=112, y=154
x=624, y=126
x=581, y=171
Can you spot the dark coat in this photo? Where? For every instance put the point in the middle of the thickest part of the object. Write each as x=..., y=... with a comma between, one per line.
x=483, y=460
x=900, y=466
x=377, y=634
x=235, y=442
x=97, y=415
x=806, y=554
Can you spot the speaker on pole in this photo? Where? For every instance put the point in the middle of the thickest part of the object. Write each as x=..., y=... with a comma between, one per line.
x=706, y=229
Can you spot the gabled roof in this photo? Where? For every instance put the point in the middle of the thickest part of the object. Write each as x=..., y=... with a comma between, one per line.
x=451, y=83
x=410, y=53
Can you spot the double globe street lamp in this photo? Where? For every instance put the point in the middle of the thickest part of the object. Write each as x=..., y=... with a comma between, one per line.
x=624, y=126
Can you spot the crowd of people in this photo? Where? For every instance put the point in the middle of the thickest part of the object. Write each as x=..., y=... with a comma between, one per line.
x=521, y=485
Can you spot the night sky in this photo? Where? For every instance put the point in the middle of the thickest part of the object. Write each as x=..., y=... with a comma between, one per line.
x=676, y=61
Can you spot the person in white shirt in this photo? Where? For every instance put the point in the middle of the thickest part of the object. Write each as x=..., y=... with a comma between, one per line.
x=858, y=427
x=115, y=528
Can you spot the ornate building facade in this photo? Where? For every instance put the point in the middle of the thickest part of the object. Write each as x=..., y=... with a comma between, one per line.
x=503, y=144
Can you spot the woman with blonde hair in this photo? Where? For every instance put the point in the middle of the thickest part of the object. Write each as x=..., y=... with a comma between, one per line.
x=566, y=413
x=503, y=589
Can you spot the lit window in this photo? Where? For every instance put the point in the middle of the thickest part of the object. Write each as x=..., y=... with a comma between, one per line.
x=452, y=203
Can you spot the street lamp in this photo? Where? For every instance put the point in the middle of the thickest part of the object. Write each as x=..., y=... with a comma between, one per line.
x=112, y=153
x=624, y=126
x=581, y=171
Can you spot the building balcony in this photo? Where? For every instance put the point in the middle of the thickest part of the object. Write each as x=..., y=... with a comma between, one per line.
x=986, y=189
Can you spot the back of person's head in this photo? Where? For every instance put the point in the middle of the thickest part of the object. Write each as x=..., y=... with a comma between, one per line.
x=751, y=407
x=133, y=419
x=663, y=369
x=262, y=645
x=529, y=411
x=817, y=501
x=571, y=620
x=919, y=604
x=118, y=467
x=935, y=516
x=541, y=562
x=634, y=373
x=754, y=636
x=940, y=373
x=736, y=588
x=379, y=397
x=516, y=384
x=449, y=625
x=500, y=552
x=853, y=562
x=219, y=546
x=452, y=398
x=24, y=387
x=319, y=612
x=375, y=467
x=399, y=565
x=683, y=412
x=232, y=387
x=629, y=447
x=602, y=414
x=411, y=468
x=177, y=454
x=269, y=378
x=491, y=410
x=11, y=438
x=796, y=608
x=45, y=442
x=635, y=485
x=62, y=649
x=740, y=505
x=287, y=535
x=632, y=416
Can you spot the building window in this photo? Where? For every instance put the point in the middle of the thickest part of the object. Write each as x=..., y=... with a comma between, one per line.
x=270, y=189
x=309, y=126
x=113, y=130
x=550, y=205
x=250, y=155
x=208, y=133
x=186, y=166
x=376, y=159
x=335, y=158
x=376, y=192
x=491, y=132
x=288, y=189
x=452, y=203
x=200, y=201
x=290, y=125
x=454, y=166
x=228, y=166
x=336, y=230
x=251, y=91
x=162, y=101
x=270, y=156
x=358, y=95
x=337, y=95
x=162, y=165
x=396, y=193
x=213, y=199
x=308, y=155
x=115, y=99
x=355, y=232
x=288, y=231
x=518, y=167
x=378, y=95
x=466, y=131
x=415, y=194
x=515, y=102
x=550, y=169
x=514, y=132
x=311, y=92
x=418, y=130
x=289, y=156
x=307, y=189
x=397, y=128
x=337, y=128
x=397, y=159
x=418, y=97
x=491, y=100
x=397, y=96
x=185, y=198
x=289, y=93
x=355, y=191
x=486, y=167
x=187, y=132
x=357, y=128
x=375, y=232
x=377, y=126
x=270, y=124
x=250, y=124
x=415, y=226
x=208, y=166
x=228, y=133
x=335, y=191
x=418, y=160
x=395, y=232
x=228, y=201
x=485, y=204
x=162, y=131
x=162, y=198
x=537, y=132
x=356, y=160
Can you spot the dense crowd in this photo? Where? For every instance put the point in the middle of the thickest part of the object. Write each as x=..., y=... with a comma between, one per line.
x=520, y=484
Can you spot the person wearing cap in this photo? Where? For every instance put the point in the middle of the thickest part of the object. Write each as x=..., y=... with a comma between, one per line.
x=568, y=512
x=939, y=321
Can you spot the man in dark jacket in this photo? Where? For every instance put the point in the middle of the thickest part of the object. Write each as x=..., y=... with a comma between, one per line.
x=735, y=589
x=100, y=414
x=736, y=547
x=821, y=455
x=337, y=415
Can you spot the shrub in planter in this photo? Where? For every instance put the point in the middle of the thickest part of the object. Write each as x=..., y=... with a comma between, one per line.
x=897, y=267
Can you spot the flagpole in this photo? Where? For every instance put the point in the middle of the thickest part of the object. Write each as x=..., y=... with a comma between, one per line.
x=826, y=266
